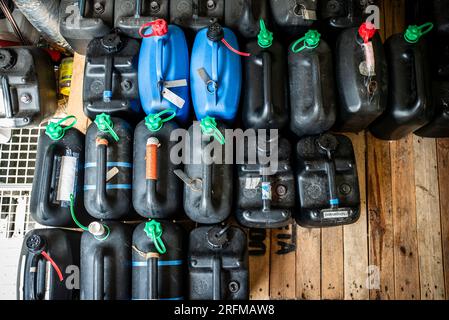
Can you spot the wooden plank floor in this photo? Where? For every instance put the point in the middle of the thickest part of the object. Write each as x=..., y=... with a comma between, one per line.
x=398, y=249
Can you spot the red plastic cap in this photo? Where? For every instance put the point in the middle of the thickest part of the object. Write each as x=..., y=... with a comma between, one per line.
x=160, y=27
x=367, y=31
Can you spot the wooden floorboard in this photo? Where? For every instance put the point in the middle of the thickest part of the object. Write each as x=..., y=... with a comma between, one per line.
x=355, y=244
x=428, y=219
x=259, y=263
x=308, y=264
x=380, y=217
x=332, y=266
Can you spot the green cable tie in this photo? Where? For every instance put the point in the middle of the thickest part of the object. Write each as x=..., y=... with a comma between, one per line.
x=72, y=212
x=54, y=129
x=265, y=37
x=414, y=33
x=153, y=229
x=154, y=122
x=311, y=40
x=105, y=124
x=209, y=127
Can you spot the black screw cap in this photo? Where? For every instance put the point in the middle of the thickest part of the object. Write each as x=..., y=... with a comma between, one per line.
x=215, y=32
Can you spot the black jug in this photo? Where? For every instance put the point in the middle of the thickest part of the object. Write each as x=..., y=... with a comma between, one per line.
x=59, y=176
x=80, y=21
x=293, y=16
x=157, y=191
x=361, y=77
x=343, y=13
x=196, y=14
x=327, y=181
x=439, y=126
x=108, y=168
x=312, y=88
x=265, y=101
x=218, y=264
x=159, y=261
x=110, y=78
x=49, y=265
x=27, y=86
x=409, y=94
x=106, y=261
x=131, y=15
x=243, y=16
x=207, y=184
x=265, y=195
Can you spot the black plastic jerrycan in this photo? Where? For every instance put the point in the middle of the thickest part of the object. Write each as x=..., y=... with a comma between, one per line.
x=265, y=101
x=110, y=78
x=361, y=76
x=240, y=15
x=159, y=261
x=218, y=264
x=106, y=261
x=80, y=21
x=59, y=176
x=108, y=168
x=294, y=15
x=265, y=194
x=132, y=14
x=409, y=91
x=27, y=86
x=327, y=181
x=343, y=13
x=157, y=191
x=208, y=184
x=312, y=87
x=49, y=265
x=439, y=126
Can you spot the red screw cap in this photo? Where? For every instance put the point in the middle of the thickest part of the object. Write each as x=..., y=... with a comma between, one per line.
x=367, y=31
x=159, y=28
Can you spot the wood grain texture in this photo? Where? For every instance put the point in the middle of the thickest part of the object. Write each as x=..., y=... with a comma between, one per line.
x=380, y=219
x=259, y=271
x=355, y=244
x=308, y=263
x=332, y=273
x=443, y=178
x=75, y=103
x=283, y=263
x=428, y=220
x=404, y=219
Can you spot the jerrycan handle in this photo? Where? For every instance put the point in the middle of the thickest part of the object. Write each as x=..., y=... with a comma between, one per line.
x=98, y=283
x=152, y=272
x=37, y=278
x=267, y=84
x=138, y=12
x=44, y=188
x=266, y=191
x=7, y=102
x=108, y=75
x=206, y=195
x=82, y=7
x=151, y=171
x=216, y=278
x=101, y=197
x=328, y=143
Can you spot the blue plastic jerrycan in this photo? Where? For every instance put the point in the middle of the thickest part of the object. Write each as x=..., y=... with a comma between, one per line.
x=216, y=74
x=164, y=69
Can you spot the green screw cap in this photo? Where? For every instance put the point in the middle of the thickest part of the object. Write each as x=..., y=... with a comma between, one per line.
x=265, y=37
x=154, y=122
x=414, y=33
x=153, y=230
x=105, y=124
x=311, y=40
x=209, y=127
x=55, y=131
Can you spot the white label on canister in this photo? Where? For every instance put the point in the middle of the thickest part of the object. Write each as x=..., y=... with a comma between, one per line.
x=173, y=98
x=368, y=67
x=111, y=173
x=175, y=83
x=266, y=191
x=252, y=183
x=67, y=176
x=335, y=214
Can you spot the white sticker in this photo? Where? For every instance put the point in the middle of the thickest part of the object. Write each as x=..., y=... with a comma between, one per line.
x=335, y=214
x=67, y=176
x=175, y=83
x=308, y=14
x=266, y=191
x=173, y=98
x=111, y=173
x=252, y=183
x=368, y=67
